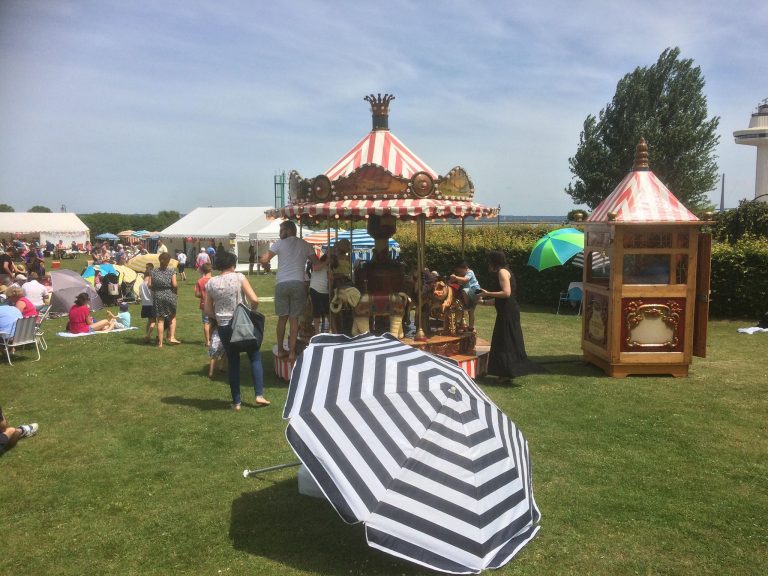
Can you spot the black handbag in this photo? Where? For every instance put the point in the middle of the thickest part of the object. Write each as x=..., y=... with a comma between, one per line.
x=247, y=329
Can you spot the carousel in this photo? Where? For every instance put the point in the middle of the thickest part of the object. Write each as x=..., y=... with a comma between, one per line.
x=381, y=181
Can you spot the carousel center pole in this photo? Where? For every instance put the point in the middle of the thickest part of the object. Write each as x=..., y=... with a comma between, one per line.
x=420, y=234
x=462, y=236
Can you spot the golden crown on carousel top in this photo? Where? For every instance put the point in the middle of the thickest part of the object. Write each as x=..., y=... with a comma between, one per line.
x=380, y=167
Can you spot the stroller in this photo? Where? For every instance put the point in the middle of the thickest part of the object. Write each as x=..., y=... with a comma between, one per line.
x=109, y=291
x=127, y=293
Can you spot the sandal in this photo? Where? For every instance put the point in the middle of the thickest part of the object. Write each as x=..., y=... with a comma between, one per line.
x=261, y=401
x=236, y=407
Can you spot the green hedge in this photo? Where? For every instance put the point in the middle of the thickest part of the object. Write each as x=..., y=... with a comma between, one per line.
x=444, y=249
x=740, y=279
x=739, y=271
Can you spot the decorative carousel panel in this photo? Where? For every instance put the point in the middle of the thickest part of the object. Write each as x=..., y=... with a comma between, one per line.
x=422, y=184
x=320, y=189
x=596, y=316
x=370, y=182
x=456, y=185
x=652, y=324
x=295, y=188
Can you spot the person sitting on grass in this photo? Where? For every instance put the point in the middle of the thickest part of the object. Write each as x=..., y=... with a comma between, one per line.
x=123, y=318
x=10, y=435
x=80, y=318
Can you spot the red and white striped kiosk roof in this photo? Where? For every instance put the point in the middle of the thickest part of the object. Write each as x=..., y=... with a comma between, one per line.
x=641, y=197
x=382, y=148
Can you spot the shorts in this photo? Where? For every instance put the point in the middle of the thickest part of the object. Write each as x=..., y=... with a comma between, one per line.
x=204, y=318
x=147, y=311
x=320, y=303
x=290, y=298
x=182, y=267
x=472, y=296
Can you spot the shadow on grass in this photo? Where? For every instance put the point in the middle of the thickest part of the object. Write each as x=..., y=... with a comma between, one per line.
x=199, y=403
x=567, y=365
x=278, y=523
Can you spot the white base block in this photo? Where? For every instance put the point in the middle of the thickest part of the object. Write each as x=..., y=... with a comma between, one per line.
x=307, y=484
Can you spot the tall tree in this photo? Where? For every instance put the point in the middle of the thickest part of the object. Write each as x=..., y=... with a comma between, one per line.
x=39, y=209
x=6, y=208
x=665, y=104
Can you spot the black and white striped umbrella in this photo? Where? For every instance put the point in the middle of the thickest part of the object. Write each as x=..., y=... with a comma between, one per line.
x=407, y=443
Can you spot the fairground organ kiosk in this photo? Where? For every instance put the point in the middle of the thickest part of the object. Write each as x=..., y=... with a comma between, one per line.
x=646, y=279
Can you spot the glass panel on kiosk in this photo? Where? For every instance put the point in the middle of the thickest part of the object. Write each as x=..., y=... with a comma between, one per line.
x=646, y=268
x=681, y=268
x=648, y=240
x=598, y=268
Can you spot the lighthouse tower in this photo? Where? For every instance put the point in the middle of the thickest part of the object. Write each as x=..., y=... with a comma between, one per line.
x=757, y=135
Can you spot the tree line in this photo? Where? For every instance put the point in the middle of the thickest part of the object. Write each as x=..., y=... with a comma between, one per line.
x=101, y=222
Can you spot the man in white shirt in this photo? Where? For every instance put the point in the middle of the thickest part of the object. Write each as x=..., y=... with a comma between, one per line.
x=290, y=285
x=35, y=292
x=181, y=256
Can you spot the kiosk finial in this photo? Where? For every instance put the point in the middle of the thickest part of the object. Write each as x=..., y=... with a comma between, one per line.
x=641, y=156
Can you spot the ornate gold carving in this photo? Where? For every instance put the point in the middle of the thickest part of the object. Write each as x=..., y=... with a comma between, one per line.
x=367, y=181
x=597, y=322
x=652, y=325
x=455, y=185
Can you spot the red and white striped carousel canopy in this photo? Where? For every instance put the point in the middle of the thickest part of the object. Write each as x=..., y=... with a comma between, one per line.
x=401, y=208
x=642, y=197
x=383, y=148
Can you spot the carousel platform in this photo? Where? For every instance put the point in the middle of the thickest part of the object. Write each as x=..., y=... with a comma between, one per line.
x=467, y=350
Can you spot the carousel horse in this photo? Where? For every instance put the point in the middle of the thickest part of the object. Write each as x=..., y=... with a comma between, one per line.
x=375, y=305
x=443, y=306
x=342, y=308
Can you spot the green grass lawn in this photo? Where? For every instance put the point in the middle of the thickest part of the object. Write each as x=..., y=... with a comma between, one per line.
x=137, y=468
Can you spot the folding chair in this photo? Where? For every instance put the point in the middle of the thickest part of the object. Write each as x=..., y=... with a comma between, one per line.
x=23, y=334
x=574, y=296
x=42, y=316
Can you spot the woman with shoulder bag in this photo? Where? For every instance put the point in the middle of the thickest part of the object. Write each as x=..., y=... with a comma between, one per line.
x=223, y=294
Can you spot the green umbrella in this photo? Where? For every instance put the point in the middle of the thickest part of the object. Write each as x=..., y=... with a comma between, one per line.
x=556, y=248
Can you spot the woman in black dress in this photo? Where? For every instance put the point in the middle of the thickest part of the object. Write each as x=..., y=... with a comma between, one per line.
x=507, y=358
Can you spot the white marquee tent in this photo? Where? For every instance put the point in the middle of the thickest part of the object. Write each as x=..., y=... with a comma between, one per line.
x=45, y=226
x=233, y=226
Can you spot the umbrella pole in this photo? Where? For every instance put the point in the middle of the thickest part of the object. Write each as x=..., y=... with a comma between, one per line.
x=462, y=237
x=248, y=473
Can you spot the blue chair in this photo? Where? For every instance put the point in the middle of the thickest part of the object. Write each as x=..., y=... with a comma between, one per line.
x=574, y=296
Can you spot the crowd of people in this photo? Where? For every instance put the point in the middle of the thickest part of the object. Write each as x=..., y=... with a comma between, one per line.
x=219, y=295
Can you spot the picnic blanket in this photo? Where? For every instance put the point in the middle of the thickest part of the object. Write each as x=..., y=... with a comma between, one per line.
x=70, y=335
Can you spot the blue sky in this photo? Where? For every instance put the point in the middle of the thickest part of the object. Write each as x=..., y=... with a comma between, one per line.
x=155, y=105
